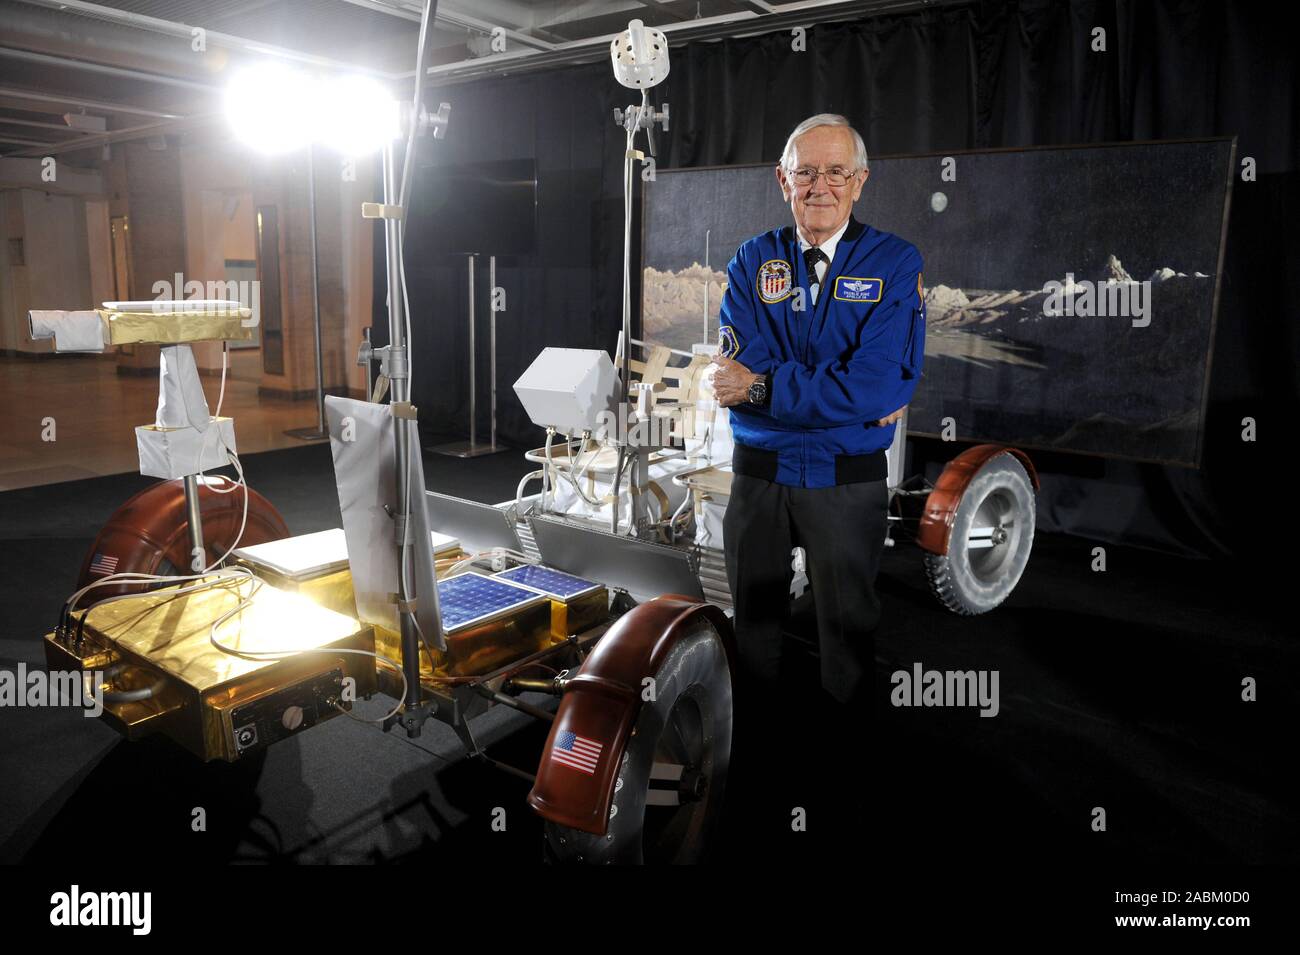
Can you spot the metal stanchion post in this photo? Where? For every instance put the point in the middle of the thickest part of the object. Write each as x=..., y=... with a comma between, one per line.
x=471, y=448
x=320, y=431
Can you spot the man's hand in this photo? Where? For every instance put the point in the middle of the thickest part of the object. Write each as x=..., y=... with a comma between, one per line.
x=884, y=422
x=731, y=381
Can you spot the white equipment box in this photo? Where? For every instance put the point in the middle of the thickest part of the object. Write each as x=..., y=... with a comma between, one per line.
x=568, y=389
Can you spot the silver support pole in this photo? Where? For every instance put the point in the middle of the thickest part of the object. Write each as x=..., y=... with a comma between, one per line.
x=471, y=448
x=627, y=288
x=492, y=345
x=194, y=517
x=625, y=342
x=400, y=387
x=315, y=290
x=473, y=389
x=708, y=277
x=319, y=432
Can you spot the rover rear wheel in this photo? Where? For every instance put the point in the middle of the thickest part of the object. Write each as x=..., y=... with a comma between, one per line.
x=992, y=535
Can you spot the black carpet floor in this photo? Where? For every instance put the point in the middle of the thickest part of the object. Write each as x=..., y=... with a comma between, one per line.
x=1118, y=689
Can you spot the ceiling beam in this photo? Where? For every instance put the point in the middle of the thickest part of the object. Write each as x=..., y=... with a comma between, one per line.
x=448, y=17
x=64, y=62
x=465, y=21
x=391, y=9
x=239, y=11
x=45, y=97
x=729, y=25
x=185, y=31
x=13, y=121
x=24, y=142
x=146, y=131
x=658, y=6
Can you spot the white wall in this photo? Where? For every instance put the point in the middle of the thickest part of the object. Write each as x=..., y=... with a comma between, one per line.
x=99, y=241
x=56, y=269
x=219, y=222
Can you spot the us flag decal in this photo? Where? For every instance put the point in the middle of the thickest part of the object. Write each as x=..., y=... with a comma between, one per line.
x=103, y=564
x=576, y=751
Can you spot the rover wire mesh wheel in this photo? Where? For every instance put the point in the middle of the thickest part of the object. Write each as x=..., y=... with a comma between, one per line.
x=992, y=534
x=669, y=789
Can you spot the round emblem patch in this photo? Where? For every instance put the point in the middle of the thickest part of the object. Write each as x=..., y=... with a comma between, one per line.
x=727, y=343
x=774, y=280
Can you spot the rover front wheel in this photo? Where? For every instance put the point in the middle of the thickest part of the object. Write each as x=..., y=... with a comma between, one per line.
x=669, y=789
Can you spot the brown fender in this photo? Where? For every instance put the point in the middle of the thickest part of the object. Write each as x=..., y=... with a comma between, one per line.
x=941, y=503
x=152, y=527
x=602, y=703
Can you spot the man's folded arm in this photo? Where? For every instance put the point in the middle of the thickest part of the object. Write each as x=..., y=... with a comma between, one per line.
x=877, y=379
x=738, y=335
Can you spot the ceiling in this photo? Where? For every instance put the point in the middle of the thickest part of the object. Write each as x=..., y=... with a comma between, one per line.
x=130, y=69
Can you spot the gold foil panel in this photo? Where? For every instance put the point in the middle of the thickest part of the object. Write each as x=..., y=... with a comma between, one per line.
x=172, y=632
x=174, y=328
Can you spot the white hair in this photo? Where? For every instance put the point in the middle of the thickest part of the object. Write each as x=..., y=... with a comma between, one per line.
x=825, y=119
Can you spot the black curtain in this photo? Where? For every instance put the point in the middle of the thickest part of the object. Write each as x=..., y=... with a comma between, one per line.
x=981, y=75
x=567, y=292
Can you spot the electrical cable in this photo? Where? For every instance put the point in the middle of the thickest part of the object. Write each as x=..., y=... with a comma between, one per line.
x=550, y=461
x=523, y=482
x=582, y=446
x=283, y=654
x=203, y=584
x=243, y=521
x=225, y=361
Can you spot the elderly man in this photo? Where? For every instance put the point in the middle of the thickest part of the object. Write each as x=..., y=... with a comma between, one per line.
x=820, y=347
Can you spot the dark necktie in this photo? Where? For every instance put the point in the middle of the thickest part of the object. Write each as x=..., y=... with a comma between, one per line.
x=811, y=256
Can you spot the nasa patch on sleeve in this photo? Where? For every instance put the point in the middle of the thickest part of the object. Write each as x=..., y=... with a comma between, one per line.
x=728, y=344
x=851, y=289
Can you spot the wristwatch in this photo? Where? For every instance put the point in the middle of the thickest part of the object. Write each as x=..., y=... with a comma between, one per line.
x=759, y=391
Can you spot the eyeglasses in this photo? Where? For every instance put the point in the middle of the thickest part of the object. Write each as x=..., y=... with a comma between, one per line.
x=835, y=176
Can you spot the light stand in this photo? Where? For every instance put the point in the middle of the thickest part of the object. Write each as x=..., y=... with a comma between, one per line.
x=294, y=114
x=394, y=363
x=320, y=431
x=640, y=61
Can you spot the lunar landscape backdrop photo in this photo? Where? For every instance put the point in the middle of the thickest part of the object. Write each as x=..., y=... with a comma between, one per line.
x=1070, y=292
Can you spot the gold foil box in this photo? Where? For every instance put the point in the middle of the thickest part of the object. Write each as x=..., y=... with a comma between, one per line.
x=173, y=328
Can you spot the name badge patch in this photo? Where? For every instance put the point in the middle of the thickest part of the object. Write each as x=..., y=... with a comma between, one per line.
x=774, y=281
x=851, y=289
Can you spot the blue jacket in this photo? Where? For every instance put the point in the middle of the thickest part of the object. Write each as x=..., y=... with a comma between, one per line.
x=838, y=366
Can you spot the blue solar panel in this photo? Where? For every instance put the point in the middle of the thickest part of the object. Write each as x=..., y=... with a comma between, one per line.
x=553, y=583
x=471, y=598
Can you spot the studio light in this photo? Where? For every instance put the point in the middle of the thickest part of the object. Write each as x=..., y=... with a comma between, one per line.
x=276, y=109
x=270, y=108
x=356, y=115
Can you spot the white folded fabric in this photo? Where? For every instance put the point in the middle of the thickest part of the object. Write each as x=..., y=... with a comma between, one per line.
x=71, y=331
x=181, y=402
x=158, y=306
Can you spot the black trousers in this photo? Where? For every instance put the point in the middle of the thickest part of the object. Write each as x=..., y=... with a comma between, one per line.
x=842, y=532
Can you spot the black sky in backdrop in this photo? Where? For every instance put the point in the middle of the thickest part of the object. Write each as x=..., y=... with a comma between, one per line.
x=986, y=75
x=1012, y=220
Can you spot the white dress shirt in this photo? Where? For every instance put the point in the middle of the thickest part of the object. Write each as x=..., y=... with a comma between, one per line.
x=828, y=247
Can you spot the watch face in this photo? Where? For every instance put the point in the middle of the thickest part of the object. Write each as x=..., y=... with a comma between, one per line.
x=758, y=392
